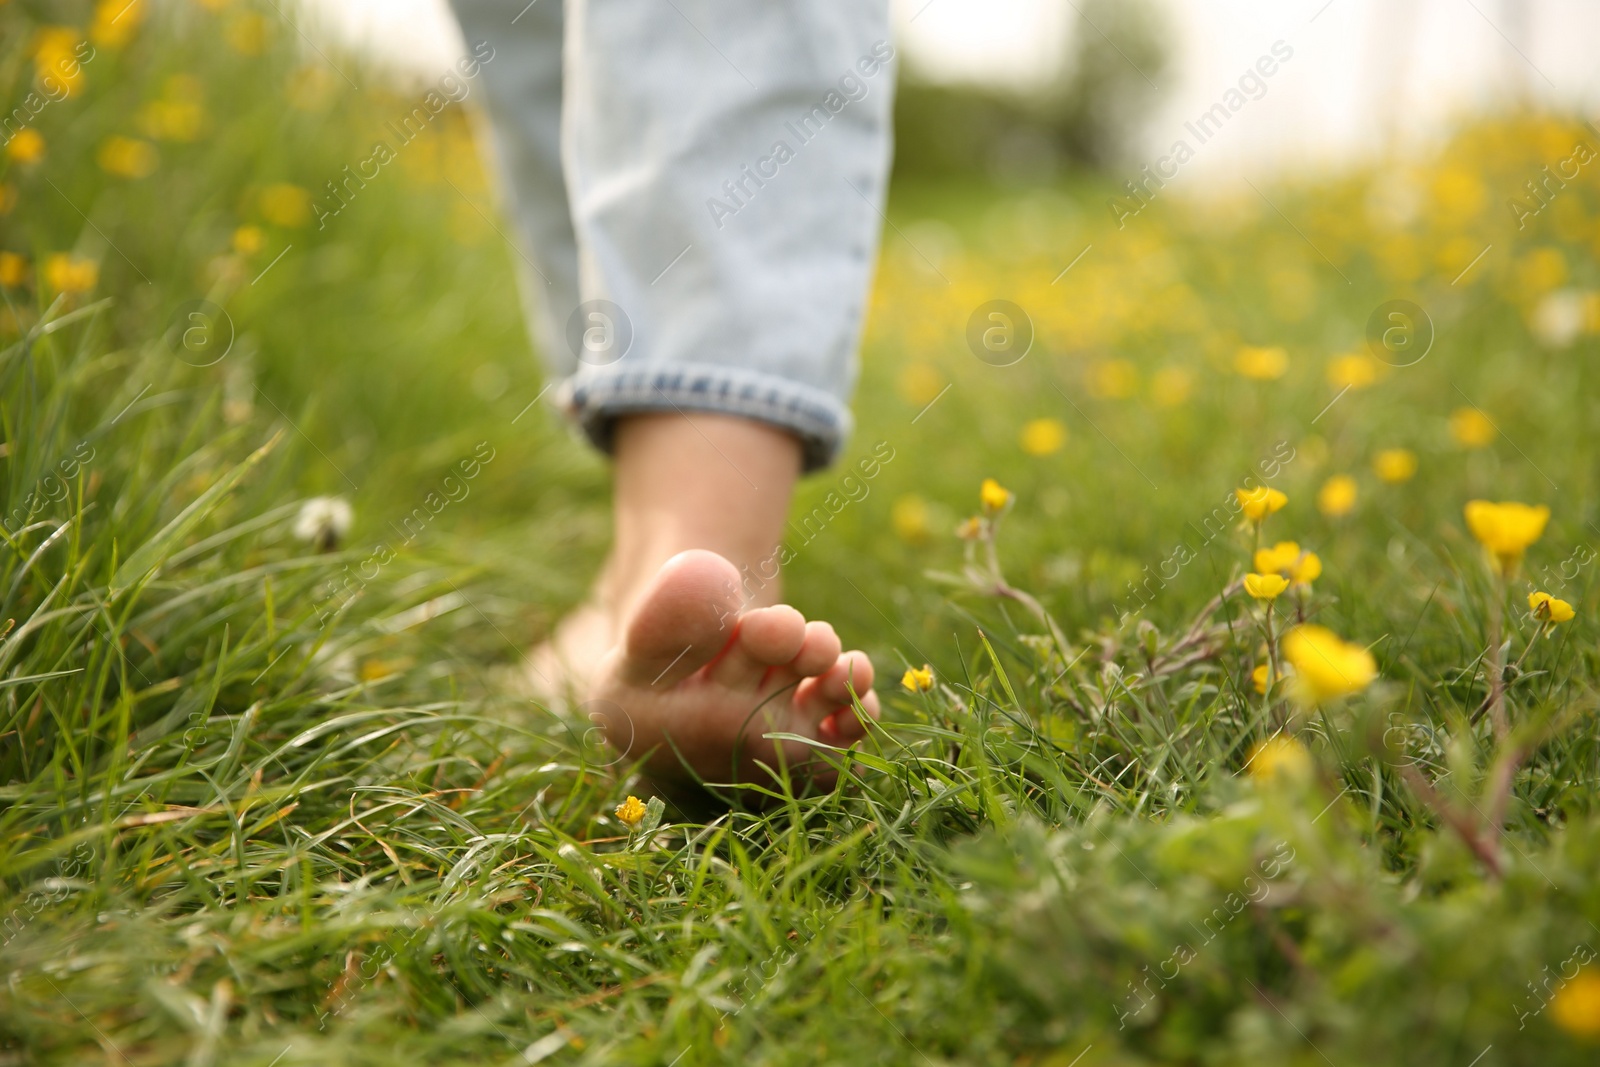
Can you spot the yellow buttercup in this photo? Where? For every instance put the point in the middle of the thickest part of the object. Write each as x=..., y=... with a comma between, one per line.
x=1326, y=666
x=1265, y=586
x=1547, y=608
x=1260, y=502
x=1506, y=530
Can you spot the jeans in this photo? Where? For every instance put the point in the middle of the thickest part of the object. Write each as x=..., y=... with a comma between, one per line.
x=697, y=191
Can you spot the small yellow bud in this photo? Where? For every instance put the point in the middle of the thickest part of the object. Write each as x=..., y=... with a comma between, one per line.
x=631, y=811
x=26, y=146
x=1262, y=364
x=1356, y=370
x=1279, y=757
x=1575, y=1007
x=127, y=157
x=248, y=240
x=1042, y=437
x=1395, y=465
x=1337, y=496
x=918, y=679
x=13, y=269
x=1471, y=428
x=994, y=495
x=1506, y=530
x=69, y=274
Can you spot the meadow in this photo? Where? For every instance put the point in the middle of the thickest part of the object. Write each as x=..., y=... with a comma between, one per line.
x=1230, y=728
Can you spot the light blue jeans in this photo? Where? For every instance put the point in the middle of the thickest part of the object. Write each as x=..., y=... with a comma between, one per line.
x=697, y=188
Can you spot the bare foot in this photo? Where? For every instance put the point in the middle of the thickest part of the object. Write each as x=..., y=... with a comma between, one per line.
x=558, y=673
x=698, y=684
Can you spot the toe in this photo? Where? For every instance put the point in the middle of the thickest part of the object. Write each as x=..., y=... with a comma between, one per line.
x=844, y=726
x=820, y=651
x=765, y=638
x=684, y=618
x=827, y=692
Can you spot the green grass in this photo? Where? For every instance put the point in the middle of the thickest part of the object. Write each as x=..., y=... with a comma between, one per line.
x=235, y=829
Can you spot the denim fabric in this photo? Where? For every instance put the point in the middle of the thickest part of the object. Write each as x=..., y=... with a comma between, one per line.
x=697, y=188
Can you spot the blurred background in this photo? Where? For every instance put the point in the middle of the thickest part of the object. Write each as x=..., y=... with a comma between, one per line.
x=1022, y=88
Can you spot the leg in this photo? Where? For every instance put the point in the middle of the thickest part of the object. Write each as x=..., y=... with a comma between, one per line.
x=700, y=480
x=723, y=196
x=725, y=163
x=522, y=91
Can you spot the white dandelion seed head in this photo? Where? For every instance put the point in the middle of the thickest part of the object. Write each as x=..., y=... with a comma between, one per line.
x=323, y=520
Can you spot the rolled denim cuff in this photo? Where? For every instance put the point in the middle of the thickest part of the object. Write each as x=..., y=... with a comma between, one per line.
x=596, y=396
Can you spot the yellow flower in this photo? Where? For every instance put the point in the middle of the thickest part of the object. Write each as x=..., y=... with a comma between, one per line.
x=1279, y=757
x=248, y=240
x=920, y=383
x=126, y=157
x=1326, y=666
x=1459, y=192
x=1356, y=370
x=909, y=517
x=172, y=120
x=994, y=495
x=1395, y=465
x=1506, y=530
x=1041, y=437
x=311, y=88
x=1171, y=386
x=286, y=205
x=1540, y=271
x=246, y=33
x=114, y=22
x=56, y=65
x=1262, y=364
x=1258, y=678
x=1576, y=1006
x=1265, y=586
x=26, y=146
x=1113, y=379
x=376, y=670
x=918, y=679
x=1259, y=502
x=970, y=529
x=1307, y=569
x=69, y=274
x=1277, y=559
x=1547, y=608
x=1471, y=428
x=13, y=269
x=631, y=811
x=1337, y=496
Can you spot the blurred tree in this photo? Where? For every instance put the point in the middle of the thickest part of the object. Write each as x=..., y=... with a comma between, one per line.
x=1085, y=115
